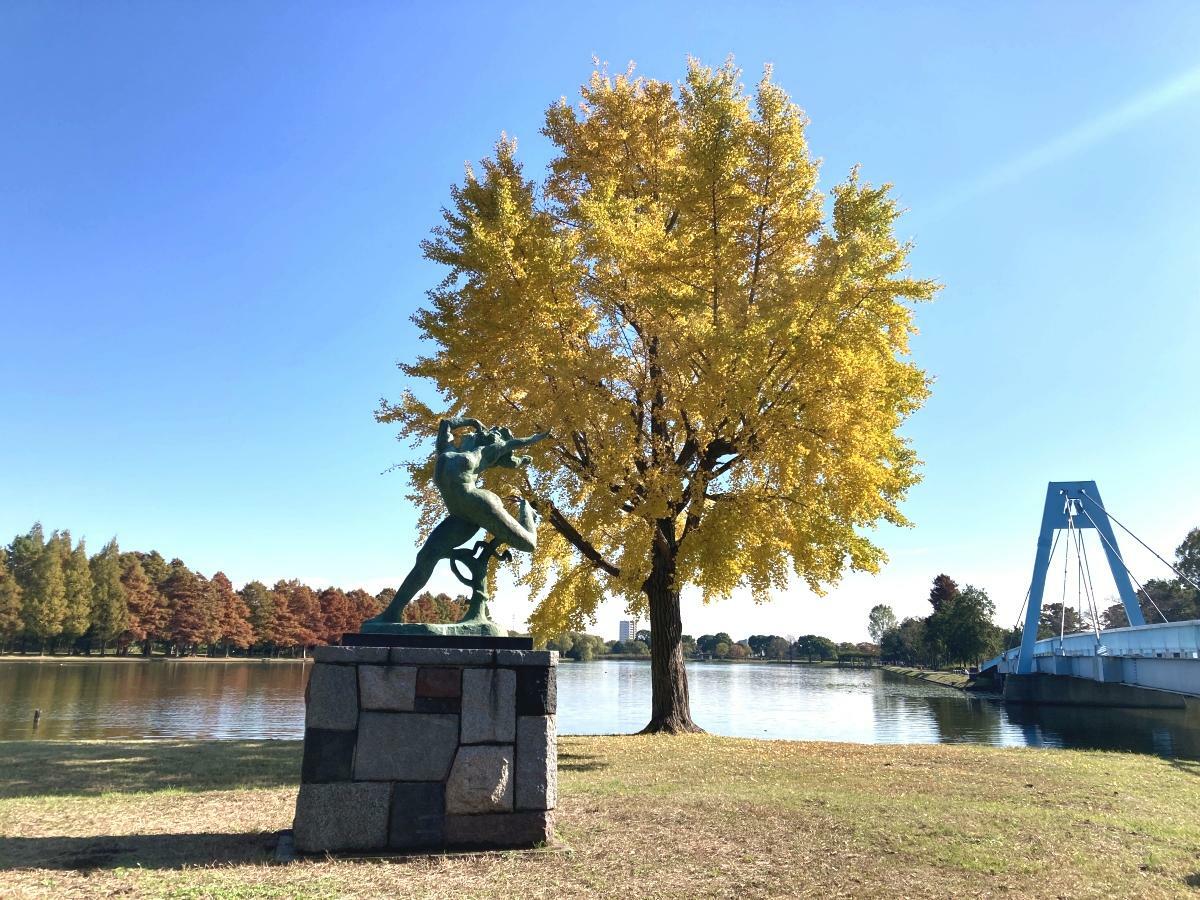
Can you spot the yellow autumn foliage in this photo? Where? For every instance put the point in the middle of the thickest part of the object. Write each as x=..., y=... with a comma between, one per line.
x=718, y=348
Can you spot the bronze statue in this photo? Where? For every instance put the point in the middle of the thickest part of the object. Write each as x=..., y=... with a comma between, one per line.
x=456, y=475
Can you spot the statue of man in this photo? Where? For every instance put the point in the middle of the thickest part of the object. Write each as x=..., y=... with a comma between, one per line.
x=456, y=475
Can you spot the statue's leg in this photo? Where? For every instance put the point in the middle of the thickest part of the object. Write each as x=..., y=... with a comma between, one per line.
x=488, y=511
x=449, y=533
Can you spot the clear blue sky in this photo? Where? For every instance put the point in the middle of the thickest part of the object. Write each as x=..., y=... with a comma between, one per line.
x=209, y=218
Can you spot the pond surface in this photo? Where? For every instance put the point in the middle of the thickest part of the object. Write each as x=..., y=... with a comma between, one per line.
x=242, y=699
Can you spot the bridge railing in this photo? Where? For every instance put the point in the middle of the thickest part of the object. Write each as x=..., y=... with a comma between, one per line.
x=1167, y=640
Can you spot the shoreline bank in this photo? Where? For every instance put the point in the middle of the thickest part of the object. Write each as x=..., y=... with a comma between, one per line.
x=946, y=679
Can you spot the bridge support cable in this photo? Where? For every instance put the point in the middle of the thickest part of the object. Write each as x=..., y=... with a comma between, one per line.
x=1062, y=617
x=1139, y=540
x=1124, y=565
x=1020, y=616
x=1085, y=579
x=1081, y=559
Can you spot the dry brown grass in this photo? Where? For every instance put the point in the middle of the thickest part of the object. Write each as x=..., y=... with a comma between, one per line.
x=639, y=816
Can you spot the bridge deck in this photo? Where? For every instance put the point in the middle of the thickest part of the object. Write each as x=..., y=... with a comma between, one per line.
x=1163, y=657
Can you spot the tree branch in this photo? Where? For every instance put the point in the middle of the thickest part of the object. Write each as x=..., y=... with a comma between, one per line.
x=559, y=523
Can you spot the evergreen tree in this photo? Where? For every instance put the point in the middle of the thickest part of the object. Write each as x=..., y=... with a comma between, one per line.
x=284, y=627
x=157, y=569
x=758, y=643
x=45, y=598
x=1187, y=556
x=970, y=633
x=193, y=618
x=1174, y=600
x=778, y=647
x=23, y=555
x=308, y=624
x=1055, y=620
x=365, y=606
x=147, y=607
x=814, y=647
x=233, y=616
x=110, y=611
x=339, y=613
x=10, y=604
x=905, y=643
x=260, y=603
x=384, y=597
x=943, y=592
x=77, y=576
x=421, y=609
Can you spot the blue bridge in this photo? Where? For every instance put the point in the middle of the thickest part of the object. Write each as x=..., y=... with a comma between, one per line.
x=1148, y=665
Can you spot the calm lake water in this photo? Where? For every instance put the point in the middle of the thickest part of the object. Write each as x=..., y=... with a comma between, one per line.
x=266, y=700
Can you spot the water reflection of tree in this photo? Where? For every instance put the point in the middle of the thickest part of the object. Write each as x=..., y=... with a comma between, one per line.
x=968, y=718
x=944, y=715
x=1166, y=732
x=148, y=699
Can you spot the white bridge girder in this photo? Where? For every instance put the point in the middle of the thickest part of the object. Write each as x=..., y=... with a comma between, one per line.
x=1164, y=656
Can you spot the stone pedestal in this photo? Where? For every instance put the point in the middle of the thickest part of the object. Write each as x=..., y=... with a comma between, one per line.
x=428, y=748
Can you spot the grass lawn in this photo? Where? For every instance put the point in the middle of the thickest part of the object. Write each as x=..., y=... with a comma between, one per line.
x=638, y=816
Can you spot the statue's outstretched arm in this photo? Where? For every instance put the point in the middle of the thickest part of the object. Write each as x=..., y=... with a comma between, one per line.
x=511, y=461
x=517, y=443
x=502, y=454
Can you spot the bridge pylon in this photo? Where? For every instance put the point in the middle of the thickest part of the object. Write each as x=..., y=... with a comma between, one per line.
x=1068, y=506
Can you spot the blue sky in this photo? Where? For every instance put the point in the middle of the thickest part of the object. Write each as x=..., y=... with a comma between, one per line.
x=209, y=219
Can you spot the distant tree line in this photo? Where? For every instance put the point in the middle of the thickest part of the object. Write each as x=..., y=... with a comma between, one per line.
x=808, y=648
x=54, y=597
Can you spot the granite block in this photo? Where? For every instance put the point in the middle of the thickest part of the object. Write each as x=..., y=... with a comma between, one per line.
x=331, y=699
x=537, y=763
x=537, y=691
x=387, y=687
x=405, y=746
x=441, y=656
x=489, y=706
x=328, y=755
x=345, y=816
x=527, y=657
x=349, y=656
x=438, y=681
x=521, y=829
x=418, y=815
x=481, y=780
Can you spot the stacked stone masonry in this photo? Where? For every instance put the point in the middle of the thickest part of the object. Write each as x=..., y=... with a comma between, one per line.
x=415, y=748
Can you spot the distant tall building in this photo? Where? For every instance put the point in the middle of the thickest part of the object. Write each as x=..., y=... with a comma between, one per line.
x=629, y=629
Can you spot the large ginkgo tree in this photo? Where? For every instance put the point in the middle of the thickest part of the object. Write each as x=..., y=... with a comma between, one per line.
x=718, y=349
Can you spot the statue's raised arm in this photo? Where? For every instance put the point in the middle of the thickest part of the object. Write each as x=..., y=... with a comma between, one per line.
x=446, y=429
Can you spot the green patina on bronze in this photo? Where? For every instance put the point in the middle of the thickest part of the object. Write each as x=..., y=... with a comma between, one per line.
x=456, y=475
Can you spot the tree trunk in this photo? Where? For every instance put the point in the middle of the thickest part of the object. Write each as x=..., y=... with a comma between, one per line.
x=670, y=708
